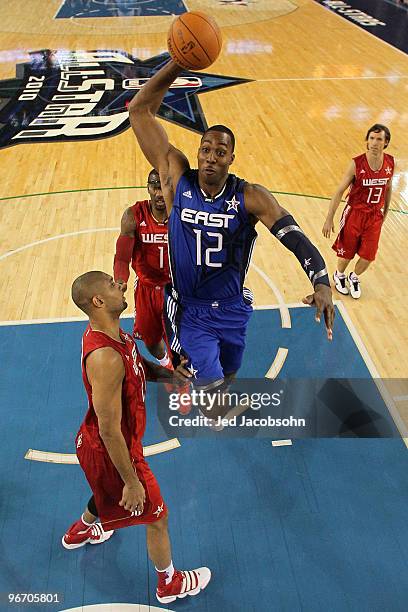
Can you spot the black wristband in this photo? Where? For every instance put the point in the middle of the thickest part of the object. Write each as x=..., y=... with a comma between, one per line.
x=287, y=231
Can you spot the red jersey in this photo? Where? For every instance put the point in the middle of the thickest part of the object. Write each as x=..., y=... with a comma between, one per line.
x=367, y=192
x=133, y=392
x=150, y=259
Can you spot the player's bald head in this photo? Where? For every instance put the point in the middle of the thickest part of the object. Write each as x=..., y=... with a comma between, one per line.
x=153, y=175
x=85, y=287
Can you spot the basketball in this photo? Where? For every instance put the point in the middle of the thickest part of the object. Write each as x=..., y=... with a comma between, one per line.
x=194, y=40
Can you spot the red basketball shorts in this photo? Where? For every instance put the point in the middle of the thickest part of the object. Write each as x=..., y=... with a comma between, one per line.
x=149, y=325
x=359, y=233
x=107, y=487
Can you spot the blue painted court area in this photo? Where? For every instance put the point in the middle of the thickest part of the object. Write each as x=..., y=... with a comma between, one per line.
x=119, y=8
x=320, y=525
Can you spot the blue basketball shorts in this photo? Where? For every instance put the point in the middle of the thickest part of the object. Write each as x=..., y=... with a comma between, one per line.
x=211, y=336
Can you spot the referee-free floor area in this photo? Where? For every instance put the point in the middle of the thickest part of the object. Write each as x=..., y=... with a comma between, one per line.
x=318, y=525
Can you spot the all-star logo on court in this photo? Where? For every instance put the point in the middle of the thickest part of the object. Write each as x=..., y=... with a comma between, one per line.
x=83, y=95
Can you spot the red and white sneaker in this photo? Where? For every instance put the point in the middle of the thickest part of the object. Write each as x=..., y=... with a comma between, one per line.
x=188, y=582
x=80, y=534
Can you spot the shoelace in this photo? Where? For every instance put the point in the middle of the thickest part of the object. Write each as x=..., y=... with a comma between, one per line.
x=190, y=581
x=97, y=530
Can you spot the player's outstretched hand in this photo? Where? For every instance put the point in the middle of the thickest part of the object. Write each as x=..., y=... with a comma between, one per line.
x=181, y=374
x=133, y=497
x=328, y=227
x=322, y=300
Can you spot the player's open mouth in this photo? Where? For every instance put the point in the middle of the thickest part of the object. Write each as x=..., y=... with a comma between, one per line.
x=209, y=170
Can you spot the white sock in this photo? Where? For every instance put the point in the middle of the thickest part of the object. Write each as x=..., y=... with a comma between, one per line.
x=169, y=571
x=85, y=522
x=164, y=361
x=340, y=274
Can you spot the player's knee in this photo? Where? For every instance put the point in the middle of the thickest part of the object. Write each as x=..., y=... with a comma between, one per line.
x=161, y=524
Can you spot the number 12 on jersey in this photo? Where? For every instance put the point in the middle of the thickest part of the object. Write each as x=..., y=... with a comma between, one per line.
x=208, y=250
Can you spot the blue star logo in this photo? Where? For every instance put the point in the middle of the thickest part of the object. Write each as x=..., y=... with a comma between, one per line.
x=181, y=105
x=120, y=75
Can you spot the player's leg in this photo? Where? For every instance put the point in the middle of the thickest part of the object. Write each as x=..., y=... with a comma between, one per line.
x=171, y=583
x=158, y=544
x=86, y=530
x=346, y=245
x=232, y=349
x=361, y=266
x=367, y=252
x=342, y=264
x=229, y=326
x=148, y=324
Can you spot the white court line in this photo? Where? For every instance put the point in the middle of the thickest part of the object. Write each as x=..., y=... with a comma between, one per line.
x=388, y=400
x=55, y=320
x=281, y=443
x=33, y=244
x=71, y=458
x=284, y=310
x=400, y=398
x=391, y=77
x=131, y=315
x=277, y=364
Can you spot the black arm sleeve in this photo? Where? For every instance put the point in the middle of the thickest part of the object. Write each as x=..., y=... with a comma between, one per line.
x=291, y=236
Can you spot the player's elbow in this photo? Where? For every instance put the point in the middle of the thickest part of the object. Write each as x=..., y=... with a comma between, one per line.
x=138, y=106
x=108, y=430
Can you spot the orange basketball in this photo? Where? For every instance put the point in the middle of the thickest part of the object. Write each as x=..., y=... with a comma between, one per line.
x=194, y=40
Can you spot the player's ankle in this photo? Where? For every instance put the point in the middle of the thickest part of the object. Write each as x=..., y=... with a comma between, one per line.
x=165, y=576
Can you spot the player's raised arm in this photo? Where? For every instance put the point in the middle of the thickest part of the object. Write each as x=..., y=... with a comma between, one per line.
x=151, y=136
x=124, y=247
x=346, y=181
x=262, y=204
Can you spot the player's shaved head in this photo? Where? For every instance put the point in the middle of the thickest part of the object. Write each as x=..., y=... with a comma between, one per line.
x=85, y=287
x=224, y=130
x=152, y=174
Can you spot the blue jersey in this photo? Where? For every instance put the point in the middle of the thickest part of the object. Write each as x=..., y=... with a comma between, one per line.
x=210, y=240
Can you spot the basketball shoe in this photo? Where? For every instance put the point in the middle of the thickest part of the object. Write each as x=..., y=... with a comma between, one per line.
x=80, y=534
x=340, y=282
x=355, y=289
x=183, y=583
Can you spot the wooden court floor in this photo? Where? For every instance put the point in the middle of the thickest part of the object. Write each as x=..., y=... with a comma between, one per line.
x=317, y=83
